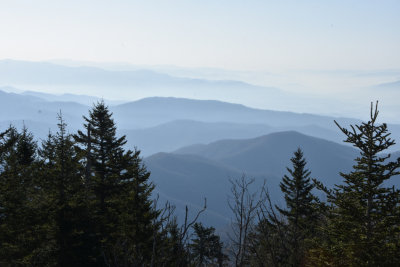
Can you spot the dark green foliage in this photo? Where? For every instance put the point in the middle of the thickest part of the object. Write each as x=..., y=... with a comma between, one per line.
x=206, y=247
x=19, y=234
x=104, y=153
x=172, y=251
x=172, y=246
x=118, y=192
x=70, y=205
x=104, y=159
x=297, y=191
x=363, y=226
x=281, y=236
x=84, y=200
x=269, y=242
x=64, y=195
x=135, y=232
x=301, y=213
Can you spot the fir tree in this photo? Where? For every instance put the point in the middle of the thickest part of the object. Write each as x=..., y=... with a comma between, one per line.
x=281, y=235
x=363, y=228
x=206, y=247
x=64, y=197
x=119, y=192
x=104, y=163
x=20, y=232
x=136, y=213
x=300, y=211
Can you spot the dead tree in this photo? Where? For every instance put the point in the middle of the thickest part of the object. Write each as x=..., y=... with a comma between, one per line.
x=244, y=205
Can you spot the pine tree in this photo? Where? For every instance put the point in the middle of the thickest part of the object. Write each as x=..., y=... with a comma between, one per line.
x=136, y=213
x=20, y=232
x=103, y=156
x=171, y=252
x=206, y=247
x=364, y=224
x=300, y=211
x=119, y=192
x=64, y=198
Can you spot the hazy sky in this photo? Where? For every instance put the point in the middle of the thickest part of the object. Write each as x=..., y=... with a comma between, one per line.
x=231, y=34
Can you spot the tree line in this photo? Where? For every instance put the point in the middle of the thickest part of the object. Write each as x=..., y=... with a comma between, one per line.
x=356, y=224
x=84, y=200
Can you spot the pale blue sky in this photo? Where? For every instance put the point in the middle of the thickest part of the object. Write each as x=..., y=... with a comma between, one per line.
x=230, y=34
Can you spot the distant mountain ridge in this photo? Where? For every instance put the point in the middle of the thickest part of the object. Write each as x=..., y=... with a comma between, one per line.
x=199, y=171
x=80, y=99
x=171, y=108
x=45, y=73
x=188, y=180
x=165, y=124
x=170, y=136
x=252, y=148
x=192, y=173
x=268, y=154
x=15, y=107
x=131, y=84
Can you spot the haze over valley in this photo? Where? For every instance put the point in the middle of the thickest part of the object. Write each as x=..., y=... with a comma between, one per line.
x=192, y=143
x=199, y=133
x=334, y=93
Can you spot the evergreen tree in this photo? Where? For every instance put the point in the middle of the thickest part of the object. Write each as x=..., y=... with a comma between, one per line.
x=206, y=247
x=300, y=211
x=172, y=250
x=136, y=213
x=363, y=228
x=64, y=198
x=282, y=235
x=119, y=193
x=269, y=241
x=20, y=233
x=104, y=157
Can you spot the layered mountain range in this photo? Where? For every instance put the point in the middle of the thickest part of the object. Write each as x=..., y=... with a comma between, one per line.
x=194, y=147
